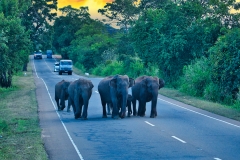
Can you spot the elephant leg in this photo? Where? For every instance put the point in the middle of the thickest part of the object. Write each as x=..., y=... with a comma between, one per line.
x=85, y=108
x=153, y=112
x=115, y=111
x=80, y=107
x=71, y=102
x=109, y=106
x=134, y=107
x=104, y=109
x=129, y=108
x=154, y=109
x=142, y=108
x=57, y=101
x=62, y=104
x=69, y=105
x=76, y=100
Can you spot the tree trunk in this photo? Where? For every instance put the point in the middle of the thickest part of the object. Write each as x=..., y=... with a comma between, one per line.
x=25, y=67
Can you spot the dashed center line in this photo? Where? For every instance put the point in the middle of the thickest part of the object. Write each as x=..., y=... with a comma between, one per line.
x=178, y=139
x=217, y=159
x=149, y=123
x=96, y=91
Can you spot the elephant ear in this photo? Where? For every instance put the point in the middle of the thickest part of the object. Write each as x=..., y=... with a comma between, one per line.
x=113, y=83
x=161, y=83
x=131, y=82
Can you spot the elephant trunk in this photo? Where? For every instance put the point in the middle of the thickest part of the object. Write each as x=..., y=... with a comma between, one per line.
x=123, y=104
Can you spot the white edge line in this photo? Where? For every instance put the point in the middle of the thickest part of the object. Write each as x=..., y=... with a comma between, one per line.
x=178, y=139
x=149, y=123
x=201, y=114
x=74, y=145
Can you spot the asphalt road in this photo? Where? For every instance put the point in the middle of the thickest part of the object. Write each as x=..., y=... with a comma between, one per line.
x=179, y=132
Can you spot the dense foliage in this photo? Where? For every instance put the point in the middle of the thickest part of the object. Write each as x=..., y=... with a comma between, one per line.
x=225, y=59
x=23, y=27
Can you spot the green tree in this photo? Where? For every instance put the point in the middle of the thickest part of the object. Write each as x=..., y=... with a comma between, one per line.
x=92, y=40
x=14, y=42
x=121, y=12
x=37, y=19
x=67, y=25
x=225, y=57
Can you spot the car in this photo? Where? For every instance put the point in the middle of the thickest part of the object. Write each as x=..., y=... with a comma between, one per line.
x=65, y=66
x=49, y=53
x=56, y=66
x=38, y=55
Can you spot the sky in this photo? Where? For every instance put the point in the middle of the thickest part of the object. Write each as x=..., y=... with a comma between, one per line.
x=93, y=5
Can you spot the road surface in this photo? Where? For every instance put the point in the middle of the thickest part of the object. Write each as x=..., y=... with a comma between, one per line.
x=179, y=132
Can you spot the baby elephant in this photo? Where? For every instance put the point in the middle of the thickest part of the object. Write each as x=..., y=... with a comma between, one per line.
x=80, y=92
x=61, y=93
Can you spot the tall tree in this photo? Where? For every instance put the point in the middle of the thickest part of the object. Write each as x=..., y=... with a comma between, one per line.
x=92, y=40
x=37, y=18
x=225, y=57
x=67, y=25
x=121, y=12
x=14, y=41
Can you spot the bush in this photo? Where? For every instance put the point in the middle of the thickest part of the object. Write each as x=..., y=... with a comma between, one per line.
x=211, y=92
x=116, y=67
x=136, y=69
x=152, y=70
x=98, y=70
x=196, y=77
x=80, y=67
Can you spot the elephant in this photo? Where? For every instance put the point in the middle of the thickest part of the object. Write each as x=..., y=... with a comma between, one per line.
x=146, y=90
x=61, y=93
x=113, y=91
x=80, y=91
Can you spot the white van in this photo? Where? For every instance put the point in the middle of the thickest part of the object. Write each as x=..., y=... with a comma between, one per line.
x=65, y=66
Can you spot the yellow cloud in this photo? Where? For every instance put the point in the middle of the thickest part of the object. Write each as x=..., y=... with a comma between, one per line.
x=93, y=5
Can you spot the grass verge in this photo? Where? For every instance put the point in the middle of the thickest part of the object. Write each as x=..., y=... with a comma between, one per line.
x=20, y=133
x=223, y=110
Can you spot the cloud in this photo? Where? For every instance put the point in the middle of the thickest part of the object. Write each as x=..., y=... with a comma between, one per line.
x=79, y=3
x=93, y=5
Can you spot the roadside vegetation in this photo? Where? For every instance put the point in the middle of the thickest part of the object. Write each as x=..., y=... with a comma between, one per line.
x=20, y=133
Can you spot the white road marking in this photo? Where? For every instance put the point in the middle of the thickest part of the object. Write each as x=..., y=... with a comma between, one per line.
x=217, y=159
x=96, y=91
x=149, y=123
x=48, y=66
x=178, y=139
x=74, y=145
x=201, y=113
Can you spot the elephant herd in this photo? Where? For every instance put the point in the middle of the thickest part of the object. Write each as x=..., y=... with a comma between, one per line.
x=114, y=93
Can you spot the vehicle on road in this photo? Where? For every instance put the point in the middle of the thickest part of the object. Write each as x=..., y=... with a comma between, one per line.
x=49, y=53
x=38, y=54
x=65, y=66
x=56, y=66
